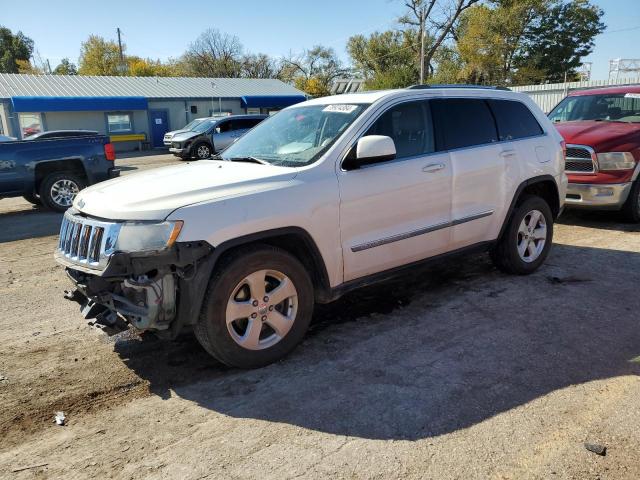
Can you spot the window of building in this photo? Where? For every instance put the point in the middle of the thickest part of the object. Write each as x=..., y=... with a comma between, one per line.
x=409, y=125
x=514, y=120
x=119, y=122
x=463, y=122
x=30, y=124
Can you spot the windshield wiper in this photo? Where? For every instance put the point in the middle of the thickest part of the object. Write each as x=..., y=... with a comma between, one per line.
x=248, y=160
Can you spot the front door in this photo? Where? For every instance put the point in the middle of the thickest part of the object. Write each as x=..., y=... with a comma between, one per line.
x=159, y=126
x=396, y=212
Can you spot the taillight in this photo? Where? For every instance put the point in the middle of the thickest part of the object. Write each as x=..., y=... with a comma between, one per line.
x=109, y=152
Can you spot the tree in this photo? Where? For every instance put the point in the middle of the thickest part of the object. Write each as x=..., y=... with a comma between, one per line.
x=313, y=71
x=435, y=19
x=562, y=37
x=146, y=67
x=100, y=57
x=385, y=60
x=15, y=50
x=259, y=65
x=214, y=54
x=65, y=67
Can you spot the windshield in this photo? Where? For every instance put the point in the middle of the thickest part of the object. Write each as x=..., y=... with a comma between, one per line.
x=623, y=107
x=192, y=124
x=203, y=126
x=296, y=136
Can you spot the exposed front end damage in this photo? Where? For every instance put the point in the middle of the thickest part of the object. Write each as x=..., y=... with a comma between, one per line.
x=153, y=291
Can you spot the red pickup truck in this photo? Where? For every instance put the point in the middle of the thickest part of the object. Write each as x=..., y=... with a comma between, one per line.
x=601, y=128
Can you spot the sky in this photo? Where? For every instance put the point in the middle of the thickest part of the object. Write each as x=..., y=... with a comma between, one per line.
x=163, y=28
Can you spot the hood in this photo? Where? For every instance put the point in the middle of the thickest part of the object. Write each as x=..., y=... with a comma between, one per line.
x=602, y=136
x=155, y=193
x=175, y=132
x=185, y=135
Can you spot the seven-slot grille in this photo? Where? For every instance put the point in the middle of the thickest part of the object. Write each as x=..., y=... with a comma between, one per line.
x=579, y=160
x=86, y=241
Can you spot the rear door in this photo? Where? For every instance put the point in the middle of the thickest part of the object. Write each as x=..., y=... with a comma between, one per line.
x=465, y=127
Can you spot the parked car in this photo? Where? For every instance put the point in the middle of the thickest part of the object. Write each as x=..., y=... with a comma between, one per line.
x=326, y=196
x=53, y=171
x=169, y=135
x=212, y=136
x=602, y=130
x=61, y=134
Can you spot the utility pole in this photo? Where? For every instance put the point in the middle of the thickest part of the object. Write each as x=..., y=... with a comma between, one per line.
x=122, y=67
x=422, y=20
x=48, y=67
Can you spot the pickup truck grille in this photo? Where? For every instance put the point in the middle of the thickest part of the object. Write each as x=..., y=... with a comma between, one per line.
x=85, y=241
x=580, y=159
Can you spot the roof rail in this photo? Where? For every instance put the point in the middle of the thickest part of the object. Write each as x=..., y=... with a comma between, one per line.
x=457, y=85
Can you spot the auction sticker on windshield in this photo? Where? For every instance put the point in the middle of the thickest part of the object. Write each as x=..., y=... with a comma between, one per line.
x=339, y=108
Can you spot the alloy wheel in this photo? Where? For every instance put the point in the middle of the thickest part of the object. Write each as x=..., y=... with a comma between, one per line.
x=262, y=309
x=64, y=191
x=532, y=236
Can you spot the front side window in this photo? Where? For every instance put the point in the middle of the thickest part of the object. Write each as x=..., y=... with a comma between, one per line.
x=621, y=107
x=119, y=122
x=514, y=120
x=409, y=125
x=296, y=136
x=30, y=124
x=463, y=122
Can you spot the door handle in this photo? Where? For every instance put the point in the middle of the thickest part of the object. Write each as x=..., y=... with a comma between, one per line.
x=433, y=167
x=508, y=154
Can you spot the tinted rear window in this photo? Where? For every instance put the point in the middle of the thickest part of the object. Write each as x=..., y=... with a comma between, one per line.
x=463, y=122
x=514, y=120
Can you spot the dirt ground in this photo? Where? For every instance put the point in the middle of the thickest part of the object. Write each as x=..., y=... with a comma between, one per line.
x=458, y=371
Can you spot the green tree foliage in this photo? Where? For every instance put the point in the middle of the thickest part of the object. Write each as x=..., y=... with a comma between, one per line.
x=385, y=59
x=15, y=50
x=560, y=39
x=65, y=67
x=313, y=71
x=526, y=41
x=100, y=57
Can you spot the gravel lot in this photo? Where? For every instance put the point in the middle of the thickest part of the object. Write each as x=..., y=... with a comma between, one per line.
x=457, y=371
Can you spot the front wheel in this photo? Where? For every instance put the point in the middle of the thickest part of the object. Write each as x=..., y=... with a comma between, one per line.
x=526, y=241
x=58, y=190
x=202, y=151
x=631, y=208
x=257, y=308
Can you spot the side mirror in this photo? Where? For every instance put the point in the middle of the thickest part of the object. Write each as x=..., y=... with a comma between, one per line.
x=369, y=150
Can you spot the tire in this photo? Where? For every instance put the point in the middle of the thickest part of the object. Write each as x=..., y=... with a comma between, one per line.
x=507, y=256
x=67, y=184
x=631, y=208
x=202, y=151
x=232, y=286
x=32, y=198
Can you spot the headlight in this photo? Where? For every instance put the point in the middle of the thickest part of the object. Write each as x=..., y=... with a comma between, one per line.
x=616, y=161
x=140, y=236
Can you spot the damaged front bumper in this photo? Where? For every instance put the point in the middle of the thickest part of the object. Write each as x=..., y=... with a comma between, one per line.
x=153, y=291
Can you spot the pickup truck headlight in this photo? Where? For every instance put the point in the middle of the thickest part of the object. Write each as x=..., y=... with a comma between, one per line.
x=616, y=161
x=143, y=236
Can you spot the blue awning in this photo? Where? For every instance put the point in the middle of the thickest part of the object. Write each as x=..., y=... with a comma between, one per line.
x=77, y=104
x=271, y=101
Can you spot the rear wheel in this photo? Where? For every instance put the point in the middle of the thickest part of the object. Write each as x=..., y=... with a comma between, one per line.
x=257, y=308
x=58, y=190
x=526, y=241
x=631, y=208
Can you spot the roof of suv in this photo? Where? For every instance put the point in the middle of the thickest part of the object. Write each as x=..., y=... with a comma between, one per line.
x=428, y=91
x=607, y=90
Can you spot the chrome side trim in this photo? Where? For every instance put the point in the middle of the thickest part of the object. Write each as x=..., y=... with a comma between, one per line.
x=419, y=231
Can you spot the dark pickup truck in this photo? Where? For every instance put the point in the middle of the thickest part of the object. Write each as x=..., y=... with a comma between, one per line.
x=52, y=171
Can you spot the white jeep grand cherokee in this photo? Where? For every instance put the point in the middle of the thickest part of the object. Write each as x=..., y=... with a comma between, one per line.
x=323, y=197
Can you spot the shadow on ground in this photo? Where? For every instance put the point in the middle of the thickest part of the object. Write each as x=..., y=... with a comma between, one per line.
x=603, y=220
x=29, y=222
x=429, y=354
